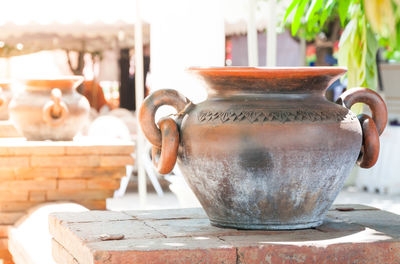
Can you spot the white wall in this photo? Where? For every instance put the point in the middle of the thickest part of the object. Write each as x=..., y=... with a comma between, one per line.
x=185, y=33
x=43, y=64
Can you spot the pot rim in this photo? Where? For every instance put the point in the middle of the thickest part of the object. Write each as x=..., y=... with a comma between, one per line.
x=270, y=71
x=63, y=83
x=267, y=80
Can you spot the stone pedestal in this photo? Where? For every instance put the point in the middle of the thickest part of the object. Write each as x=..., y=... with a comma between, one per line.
x=35, y=172
x=350, y=234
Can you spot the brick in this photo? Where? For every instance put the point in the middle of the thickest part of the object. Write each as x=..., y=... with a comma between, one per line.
x=5, y=255
x=103, y=183
x=378, y=252
x=36, y=149
x=8, y=130
x=109, y=161
x=78, y=195
x=117, y=149
x=16, y=195
x=167, y=214
x=4, y=151
x=75, y=184
x=4, y=230
x=3, y=243
x=14, y=162
x=111, y=149
x=336, y=226
x=7, y=174
x=59, y=231
x=175, y=250
x=37, y=196
x=36, y=173
x=388, y=222
x=94, y=204
x=10, y=218
x=194, y=227
x=65, y=161
x=51, y=148
x=16, y=206
x=60, y=254
x=114, y=172
x=18, y=147
x=32, y=185
x=90, y=231
x=82, y=150
x=57, y=218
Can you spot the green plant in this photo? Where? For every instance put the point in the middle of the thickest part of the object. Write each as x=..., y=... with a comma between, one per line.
x=367, y=25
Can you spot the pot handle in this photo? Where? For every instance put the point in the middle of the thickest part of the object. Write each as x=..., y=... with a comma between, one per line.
x=165, y=137
x=55, y=112
x=3, y=100
x=373, y=127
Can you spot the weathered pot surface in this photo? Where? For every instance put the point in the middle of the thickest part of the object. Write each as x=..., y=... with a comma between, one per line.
x=49, y=109
x=5, y=98
x=266, y=150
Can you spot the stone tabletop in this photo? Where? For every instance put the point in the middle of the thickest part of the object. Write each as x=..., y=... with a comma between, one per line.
x=350, y=234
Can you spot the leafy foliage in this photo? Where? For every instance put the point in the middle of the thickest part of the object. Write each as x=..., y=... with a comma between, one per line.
x=367, y=25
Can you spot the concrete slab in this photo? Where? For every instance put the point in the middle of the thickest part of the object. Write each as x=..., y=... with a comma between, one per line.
x=350, y=234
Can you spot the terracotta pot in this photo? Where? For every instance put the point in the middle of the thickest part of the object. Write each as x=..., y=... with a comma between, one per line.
x=266, y=150
x=6, y=95
x=49, y=109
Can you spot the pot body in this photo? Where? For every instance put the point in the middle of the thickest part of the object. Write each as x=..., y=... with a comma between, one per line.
x=6, y=95
x=270, y=162
x=27, y=110
x=266, y=150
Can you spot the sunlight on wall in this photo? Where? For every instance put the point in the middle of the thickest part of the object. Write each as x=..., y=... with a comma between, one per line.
x=42, y=64
x=64, y=12
x=176, y=45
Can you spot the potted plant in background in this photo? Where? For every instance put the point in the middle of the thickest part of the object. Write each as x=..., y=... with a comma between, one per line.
x=367, y=26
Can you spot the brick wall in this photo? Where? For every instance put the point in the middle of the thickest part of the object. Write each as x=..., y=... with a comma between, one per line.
x=36, y=172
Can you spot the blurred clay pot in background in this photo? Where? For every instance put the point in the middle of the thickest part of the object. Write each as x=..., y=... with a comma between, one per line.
x=49, y=109
x=266, y=150
x=5, y=98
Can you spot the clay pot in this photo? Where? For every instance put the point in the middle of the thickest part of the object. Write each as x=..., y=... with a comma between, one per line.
x=266, y=150
x=5, y=98
x=49, y=109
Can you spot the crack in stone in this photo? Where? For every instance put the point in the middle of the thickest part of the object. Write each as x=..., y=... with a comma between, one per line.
x=125, y=213
x=144, y=222
x=97, y=221
x=237, y=256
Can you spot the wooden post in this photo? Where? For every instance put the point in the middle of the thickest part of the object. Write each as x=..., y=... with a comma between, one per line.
x=271, y=34
x=303, y=50
x=252, y=47
x=139, y=86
